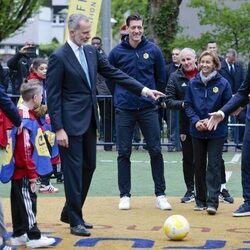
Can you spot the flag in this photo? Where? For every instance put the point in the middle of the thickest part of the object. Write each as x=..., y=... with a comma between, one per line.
x=89, y=8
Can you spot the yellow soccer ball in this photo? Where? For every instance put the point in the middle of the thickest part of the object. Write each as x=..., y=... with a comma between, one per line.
x=176, y=227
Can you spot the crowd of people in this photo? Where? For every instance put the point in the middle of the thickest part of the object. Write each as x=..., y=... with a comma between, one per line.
x=59, y=105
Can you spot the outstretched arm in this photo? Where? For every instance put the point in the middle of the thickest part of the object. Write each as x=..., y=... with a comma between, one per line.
x=215, y=119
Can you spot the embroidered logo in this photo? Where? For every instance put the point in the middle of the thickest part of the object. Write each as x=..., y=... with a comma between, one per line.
x=145, y=55
x=215, y=90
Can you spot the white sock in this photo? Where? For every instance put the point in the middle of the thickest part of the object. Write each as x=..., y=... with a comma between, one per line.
x=223, y=186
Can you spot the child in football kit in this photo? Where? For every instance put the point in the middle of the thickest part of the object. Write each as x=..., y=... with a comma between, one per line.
x=26, y=158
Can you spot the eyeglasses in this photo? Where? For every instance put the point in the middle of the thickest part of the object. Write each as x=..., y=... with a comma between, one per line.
x=96, y=43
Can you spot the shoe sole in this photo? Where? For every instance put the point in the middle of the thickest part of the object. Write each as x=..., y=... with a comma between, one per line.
x=192, y=200
x=169, y=208
x=241, y=214
x=200, y=209
x=48, y=192
x=211, y=212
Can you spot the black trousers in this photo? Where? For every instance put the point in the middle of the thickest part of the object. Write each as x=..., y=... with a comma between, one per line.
x=207, y=169
x=78, y=164
x=23, y=209
x=188, y=162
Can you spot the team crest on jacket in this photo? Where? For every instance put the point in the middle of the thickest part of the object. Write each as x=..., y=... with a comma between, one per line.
x=145, y=55
x=215, y=90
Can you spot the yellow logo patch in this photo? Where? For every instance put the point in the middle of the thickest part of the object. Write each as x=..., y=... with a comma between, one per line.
x=8, y=153
x=145, y=55
x=41, y=145
x=51, y=137
x=215, y=90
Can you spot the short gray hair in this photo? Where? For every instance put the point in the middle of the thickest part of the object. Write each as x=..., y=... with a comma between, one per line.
x=75, y=19
x=231, y=52
x=192, y=51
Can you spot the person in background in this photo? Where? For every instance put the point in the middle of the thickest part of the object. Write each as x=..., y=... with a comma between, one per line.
x=19, y=66
x=72, y=105
x=105, y=104
x=233, y=71
x=142, y=60
x=11, y=112
x=172, y=114
x=224, y=193
x=38, y=72
x=234, y=106
x=207, y=92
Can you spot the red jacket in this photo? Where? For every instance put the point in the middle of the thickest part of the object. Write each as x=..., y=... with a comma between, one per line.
x=24, y=164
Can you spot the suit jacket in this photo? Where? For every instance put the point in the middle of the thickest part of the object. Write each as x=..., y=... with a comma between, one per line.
x=238, y=77
x=71, y=102
x=241, y=98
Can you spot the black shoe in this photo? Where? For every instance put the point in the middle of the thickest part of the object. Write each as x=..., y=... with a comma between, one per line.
x=79, y=230
x=65, y=219
x=225, y=196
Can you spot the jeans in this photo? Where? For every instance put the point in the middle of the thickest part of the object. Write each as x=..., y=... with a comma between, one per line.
x=147, y=120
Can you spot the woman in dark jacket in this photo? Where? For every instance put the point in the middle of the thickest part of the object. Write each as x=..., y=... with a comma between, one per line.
x=206, y=93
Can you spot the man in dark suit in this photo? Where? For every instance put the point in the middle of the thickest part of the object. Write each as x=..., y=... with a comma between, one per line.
x=235, y=104
x=232, y=70
x=72, y=106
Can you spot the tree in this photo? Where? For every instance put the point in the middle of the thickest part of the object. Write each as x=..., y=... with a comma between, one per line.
x=14, y=14
x=229, y=27
x=160, y=17
x=163, y=22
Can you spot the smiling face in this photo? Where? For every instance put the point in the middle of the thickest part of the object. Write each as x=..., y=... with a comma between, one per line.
x=135, y=31
x=81, y=34
x=41, y=71
x=206, y=65
x=188, y=60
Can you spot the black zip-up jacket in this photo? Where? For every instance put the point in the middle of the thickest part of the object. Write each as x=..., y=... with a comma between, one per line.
x=175, y=93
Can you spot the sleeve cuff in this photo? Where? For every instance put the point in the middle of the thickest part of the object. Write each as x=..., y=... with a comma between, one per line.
x=222, y=114
x=144, y=91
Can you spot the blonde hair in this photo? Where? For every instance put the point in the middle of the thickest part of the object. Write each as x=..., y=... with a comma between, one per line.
x=215, y=58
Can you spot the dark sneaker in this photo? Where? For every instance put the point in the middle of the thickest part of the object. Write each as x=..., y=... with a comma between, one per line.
x=211, y=210
x=225, y=196
x=199, y=207
x=188, y=197
x=243, y=210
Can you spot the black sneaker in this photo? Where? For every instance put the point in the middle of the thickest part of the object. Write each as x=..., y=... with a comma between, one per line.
x=188, y=197
x=243, y=210
x=225, y=196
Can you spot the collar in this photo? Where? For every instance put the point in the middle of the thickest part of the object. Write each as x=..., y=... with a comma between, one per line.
x=73, y=46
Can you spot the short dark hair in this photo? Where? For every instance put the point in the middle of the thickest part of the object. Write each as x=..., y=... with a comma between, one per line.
x=97, y=38
x=134, y=17
x=37, y=62
x=211, y=41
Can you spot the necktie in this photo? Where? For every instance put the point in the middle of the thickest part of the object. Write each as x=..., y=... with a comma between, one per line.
x=84, y=64
x=231, y=69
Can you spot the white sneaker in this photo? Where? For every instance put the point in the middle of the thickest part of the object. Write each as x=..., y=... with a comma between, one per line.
x=162, y=203
x=124, y=203
x=19, y=241
x=42, y=242
x=49, y=189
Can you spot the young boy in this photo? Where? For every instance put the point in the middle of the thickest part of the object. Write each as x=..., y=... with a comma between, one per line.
x=31, y=158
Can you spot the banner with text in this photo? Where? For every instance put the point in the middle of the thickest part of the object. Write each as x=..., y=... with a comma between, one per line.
x=89, y=8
